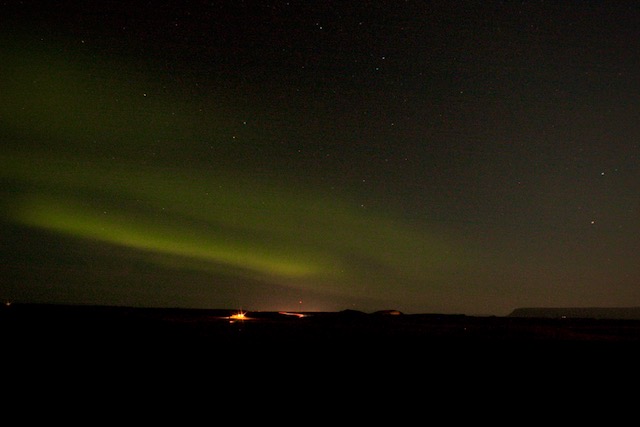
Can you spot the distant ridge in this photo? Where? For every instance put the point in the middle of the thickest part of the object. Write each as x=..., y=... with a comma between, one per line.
x=578, y=312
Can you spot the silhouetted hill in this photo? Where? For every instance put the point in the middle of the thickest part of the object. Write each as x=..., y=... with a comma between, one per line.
x=578, y=312
x=136, y=327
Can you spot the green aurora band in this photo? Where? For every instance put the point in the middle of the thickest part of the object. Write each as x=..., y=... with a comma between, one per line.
x=106, y=157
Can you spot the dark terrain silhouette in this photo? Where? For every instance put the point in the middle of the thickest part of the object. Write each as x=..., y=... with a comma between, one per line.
x=217, y=327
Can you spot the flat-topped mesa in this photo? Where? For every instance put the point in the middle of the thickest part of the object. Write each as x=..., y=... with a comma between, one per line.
x=578, y=312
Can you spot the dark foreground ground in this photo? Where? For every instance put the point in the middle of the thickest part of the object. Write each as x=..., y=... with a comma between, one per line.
x=41, y=323
x=348, y=348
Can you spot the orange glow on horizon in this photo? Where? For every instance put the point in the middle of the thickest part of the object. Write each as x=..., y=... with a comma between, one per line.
x=292, y=314
x=241, y=315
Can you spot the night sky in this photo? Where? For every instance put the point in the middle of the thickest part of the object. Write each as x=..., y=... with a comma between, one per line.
x=430, y=157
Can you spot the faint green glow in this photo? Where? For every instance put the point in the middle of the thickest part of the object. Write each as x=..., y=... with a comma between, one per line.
x=118, y=159
x=94, y=109
x=121, y=229
x=300, y=239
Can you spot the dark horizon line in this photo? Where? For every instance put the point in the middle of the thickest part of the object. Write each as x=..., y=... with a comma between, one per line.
x=600, y=312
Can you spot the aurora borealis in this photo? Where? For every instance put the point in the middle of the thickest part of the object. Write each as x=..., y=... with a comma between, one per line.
x=290, y=155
